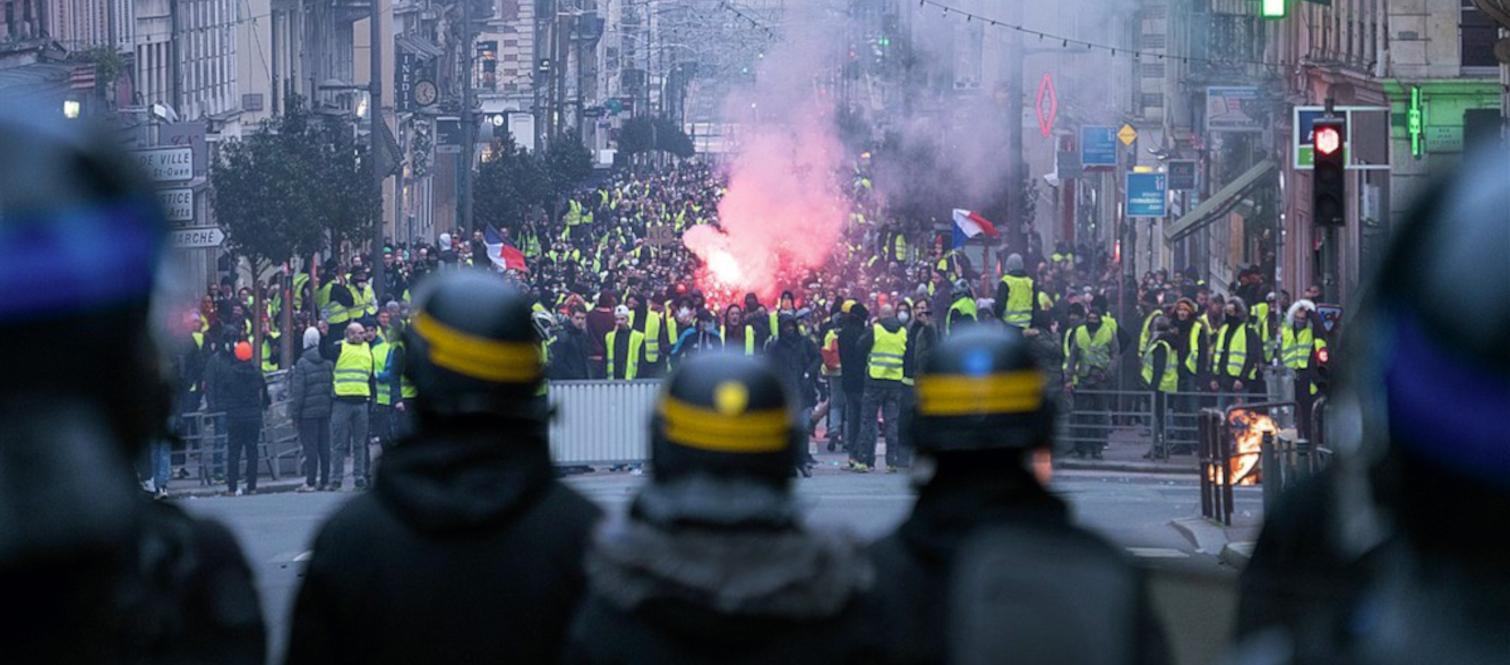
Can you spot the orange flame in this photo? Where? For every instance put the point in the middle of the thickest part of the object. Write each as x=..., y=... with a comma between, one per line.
x=1248, y=429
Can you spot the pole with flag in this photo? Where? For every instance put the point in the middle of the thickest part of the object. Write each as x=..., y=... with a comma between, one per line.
x=969, y=224
x=503, y=254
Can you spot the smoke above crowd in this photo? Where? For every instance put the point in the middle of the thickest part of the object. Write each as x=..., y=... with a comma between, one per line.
x=784, y=209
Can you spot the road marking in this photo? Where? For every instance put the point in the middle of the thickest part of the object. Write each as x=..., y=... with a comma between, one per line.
x=1157, y=553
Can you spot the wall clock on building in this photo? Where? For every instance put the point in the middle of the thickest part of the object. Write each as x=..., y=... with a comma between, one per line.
x=425, y=93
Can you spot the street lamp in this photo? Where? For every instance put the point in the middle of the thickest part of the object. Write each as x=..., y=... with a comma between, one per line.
x=71, y=108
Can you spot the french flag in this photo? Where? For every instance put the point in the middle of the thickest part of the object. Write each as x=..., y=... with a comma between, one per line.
x=968, y=224
x=503, y=255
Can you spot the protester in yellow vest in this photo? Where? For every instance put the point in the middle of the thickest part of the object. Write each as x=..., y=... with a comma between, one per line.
x=623, y=348
x=1015, y=295
x=1161, y=375
x=885, y=347
x=743, y=334
x=1238, y=352
x=348, y=417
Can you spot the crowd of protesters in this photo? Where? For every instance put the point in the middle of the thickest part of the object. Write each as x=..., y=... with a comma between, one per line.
x=617, y=298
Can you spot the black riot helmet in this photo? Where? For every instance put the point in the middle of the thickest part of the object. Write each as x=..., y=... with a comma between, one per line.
x=1425, y=384
x=981, y=390
x=472, y=349
x=82, y=242
x=723, y=445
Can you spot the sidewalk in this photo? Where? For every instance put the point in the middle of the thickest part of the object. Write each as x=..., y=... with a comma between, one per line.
x=1124, y=453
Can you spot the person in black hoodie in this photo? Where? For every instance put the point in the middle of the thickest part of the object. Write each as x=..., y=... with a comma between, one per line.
x=243, y=397
x=852, y=364
x=796, y=360
x=569, y=352
x=468, y=550
x=711, y=564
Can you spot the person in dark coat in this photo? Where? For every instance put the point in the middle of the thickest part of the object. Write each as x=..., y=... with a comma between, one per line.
x=96, y=571
x=796, y=360
x=984, y=432
x=853, y=363
x=243, y=397
x=309, y=393
x=712, y=565
x=468, y=550
x=568, y=353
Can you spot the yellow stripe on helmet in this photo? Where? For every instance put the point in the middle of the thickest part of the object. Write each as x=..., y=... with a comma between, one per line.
x=478, y=357
x=706, y=429
x=958, y=395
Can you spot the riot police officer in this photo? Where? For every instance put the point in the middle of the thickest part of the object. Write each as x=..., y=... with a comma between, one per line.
x=468, y=550
x=982, y=425
x=711, y=564
x=1395, y=554
x=95, y=570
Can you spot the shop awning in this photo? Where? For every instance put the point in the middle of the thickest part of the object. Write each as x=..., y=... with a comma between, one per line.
x=1213, y=208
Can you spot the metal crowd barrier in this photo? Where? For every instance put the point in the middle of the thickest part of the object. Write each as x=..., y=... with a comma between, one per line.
x=601, y=422
x=1090, y=419
x=1224, y=463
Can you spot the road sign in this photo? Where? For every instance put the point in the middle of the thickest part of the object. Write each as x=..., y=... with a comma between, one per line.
x=167, y=164
x=1147, y=195
x=1181, y=175
x=1098, y=147
x=1047, y=105
x=177, y=204
x=197, y=237
x=1233, y=108
x=1127, y=135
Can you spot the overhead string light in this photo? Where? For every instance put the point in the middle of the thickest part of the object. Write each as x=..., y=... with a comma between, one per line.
x=1092, y=46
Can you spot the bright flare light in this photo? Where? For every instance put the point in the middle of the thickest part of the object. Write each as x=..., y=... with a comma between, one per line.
x=725, y=269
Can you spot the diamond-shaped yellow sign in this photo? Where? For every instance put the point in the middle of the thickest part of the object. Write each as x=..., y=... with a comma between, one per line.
x=1127, y=134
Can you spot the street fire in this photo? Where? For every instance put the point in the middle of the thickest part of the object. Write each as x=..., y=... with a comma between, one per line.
x=1248, y=429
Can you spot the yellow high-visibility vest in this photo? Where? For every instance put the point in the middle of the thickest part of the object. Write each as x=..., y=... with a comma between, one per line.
x=380, y=363
x=886, y=353
x=1095, y=350
x=1169, y=380
x=1296, y=348
x=1193, y=354
x=1147, y=331
x=749, y=339
x=653, y=321
x=632, y=363
x=1018, y=310
x=966, y=307
x=1233, y=341
x=353, y=371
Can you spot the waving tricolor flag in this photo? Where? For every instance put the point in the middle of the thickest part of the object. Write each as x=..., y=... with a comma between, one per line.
x=503, y=255
x=968, y=224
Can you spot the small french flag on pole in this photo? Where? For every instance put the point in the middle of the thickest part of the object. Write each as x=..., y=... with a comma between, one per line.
x=968, y=224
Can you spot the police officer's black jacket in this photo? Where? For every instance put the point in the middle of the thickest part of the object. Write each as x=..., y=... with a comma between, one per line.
x=723, y=596
x=468, y=550
x=914, y=565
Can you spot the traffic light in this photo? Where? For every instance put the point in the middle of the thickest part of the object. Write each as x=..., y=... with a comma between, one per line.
x=1328, y=184
x=1272, y=8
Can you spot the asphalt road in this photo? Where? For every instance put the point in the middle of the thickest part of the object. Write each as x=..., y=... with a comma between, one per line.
x=1193, y=590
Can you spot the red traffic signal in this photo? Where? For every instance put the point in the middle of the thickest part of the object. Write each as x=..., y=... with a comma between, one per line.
x=1327, y=139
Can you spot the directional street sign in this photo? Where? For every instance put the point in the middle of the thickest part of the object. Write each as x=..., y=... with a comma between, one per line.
x=1147, y=195
x=197, y=237
x=177, y=204
x=1127, y=134
x=1098, y=147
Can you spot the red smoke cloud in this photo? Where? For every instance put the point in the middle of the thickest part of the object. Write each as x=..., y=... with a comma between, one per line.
x=784, y=211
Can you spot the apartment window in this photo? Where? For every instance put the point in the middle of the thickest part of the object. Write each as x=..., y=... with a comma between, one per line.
x=1153, y=100
x=1152, y=41
x=1478, y=36
x=1152, y=70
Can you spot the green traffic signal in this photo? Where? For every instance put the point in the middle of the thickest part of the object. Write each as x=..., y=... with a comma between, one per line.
x=1273, y=8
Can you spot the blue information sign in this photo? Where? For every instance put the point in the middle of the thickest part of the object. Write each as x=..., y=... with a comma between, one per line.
x=1147, y=195
x=1098, y=147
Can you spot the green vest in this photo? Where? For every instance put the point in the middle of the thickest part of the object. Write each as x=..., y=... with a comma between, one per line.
x=1018, y=310
x=380, y=363
x=1095, y=352
x=632, y=363
x=1296, y=348
x=353, y=371
x=1193, y=354
x=545, y=361
x=1147, y=331
x=886, y=353
x=1169, y=380
x=965, y=306
x=1233, y=341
